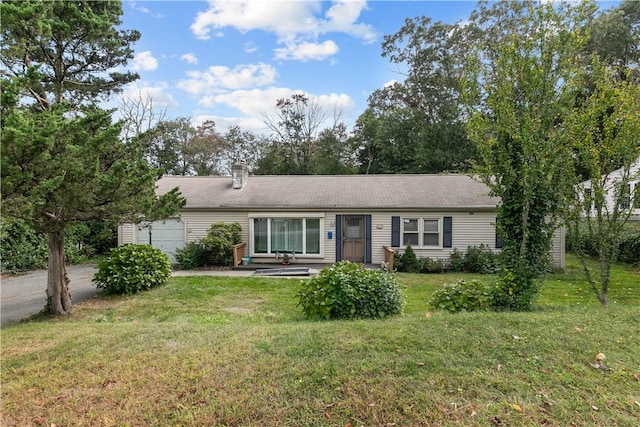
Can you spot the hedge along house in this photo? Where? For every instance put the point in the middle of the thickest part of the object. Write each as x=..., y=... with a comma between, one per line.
x=324, y=218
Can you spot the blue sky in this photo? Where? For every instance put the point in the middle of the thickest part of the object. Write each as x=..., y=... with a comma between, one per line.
x=229, y=61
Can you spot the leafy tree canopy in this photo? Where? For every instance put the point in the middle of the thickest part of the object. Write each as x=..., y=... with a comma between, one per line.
x=62, y=159
x=61, y=50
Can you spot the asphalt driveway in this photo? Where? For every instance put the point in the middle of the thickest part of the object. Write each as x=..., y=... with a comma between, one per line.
x=24, y=295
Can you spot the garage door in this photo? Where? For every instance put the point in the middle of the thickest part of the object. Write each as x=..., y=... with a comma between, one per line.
x=166, y=235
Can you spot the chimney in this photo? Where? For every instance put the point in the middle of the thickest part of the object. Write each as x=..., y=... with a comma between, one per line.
x=239, y=175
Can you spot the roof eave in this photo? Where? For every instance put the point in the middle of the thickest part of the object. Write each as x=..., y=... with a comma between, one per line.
x=345, y=207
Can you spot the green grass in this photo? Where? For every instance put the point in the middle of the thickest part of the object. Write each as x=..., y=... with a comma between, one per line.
x=236, y=351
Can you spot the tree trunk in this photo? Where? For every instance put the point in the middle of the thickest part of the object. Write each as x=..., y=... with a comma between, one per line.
x=58, y=296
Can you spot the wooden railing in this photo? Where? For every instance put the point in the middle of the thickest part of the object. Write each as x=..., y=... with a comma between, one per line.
x=238, y=253
x=389, y=253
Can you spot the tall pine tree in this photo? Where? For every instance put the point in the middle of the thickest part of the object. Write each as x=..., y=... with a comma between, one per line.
x=62, y=158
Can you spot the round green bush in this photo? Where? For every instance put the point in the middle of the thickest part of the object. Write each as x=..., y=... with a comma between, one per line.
x=132, y=268
x=347, y=290
x=219, y=242
x=462, y=296
x=194, y=255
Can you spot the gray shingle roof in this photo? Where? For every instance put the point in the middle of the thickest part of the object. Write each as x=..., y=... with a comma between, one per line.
x=331, y=191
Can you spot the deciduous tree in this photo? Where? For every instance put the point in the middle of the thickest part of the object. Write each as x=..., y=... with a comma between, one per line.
x=603, y=129
x=178, y=148
x=242, y=147
x=298, y=132
x=417, y=125
x=515, y=80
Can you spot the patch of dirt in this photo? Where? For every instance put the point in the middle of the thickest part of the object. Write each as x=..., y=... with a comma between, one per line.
x=95, y=303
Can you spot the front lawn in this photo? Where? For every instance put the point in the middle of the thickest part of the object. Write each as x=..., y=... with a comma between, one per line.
x=236, y=351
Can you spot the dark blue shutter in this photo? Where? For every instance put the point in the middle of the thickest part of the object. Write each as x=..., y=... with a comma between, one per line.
x=395, y=231
x=499, y=242
x=447, y=231
x=367, y=241
x=338, y=237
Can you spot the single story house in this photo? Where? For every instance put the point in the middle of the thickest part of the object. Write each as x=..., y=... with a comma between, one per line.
x=324, y=219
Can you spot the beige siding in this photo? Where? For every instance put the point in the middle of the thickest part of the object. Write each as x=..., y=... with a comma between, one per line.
x=329, y=244
x=558, y=248
x=380, y=236
x=474, y=230
x=198, y=223
x=126, y=233
x=469, y=229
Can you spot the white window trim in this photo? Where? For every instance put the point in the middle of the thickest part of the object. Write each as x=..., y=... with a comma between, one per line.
x=421, y=232
x=269, y=216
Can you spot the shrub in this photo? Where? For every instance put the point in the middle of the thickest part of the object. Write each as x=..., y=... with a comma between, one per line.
x=76, y=251
x=456, y=260
x=219, y=242
x=629, y=248
x=102, y=236
x=347, y=290
x=476, y=259
x=194, y=255
x=481, y=260
x=21, y=248
x=132, y=268
x=515, y=292
x=462, y=296
x=581, y=240
x=433, y=265
x=408, y=262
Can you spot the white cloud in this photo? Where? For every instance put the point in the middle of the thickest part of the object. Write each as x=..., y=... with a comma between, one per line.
x=190, y=58
x=135, y=6
x=253, y=124
x=158, y=94
x=250, y=47
x=255, y=101
x=306, y=51
x=342, y=17
x=255, y=104
x=144, y=61
x=278, y=17
x=218, y=77
x=298, y=24
x=340, y=101
x=261, y=101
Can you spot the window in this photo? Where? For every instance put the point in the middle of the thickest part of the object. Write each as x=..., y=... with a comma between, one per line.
x=431, y=235
x=421, y=232
x=301, y=235
x=588, y=199
x=410, y=233
x=636, y=196
x=625, y=197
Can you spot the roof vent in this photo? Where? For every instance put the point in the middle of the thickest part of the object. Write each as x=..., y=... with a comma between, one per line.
x=239, y=175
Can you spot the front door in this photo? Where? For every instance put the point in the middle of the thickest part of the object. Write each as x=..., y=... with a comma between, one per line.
x=353, y=238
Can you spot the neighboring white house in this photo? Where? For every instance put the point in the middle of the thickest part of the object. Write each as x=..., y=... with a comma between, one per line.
x=328, y=218
x=629, y=196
